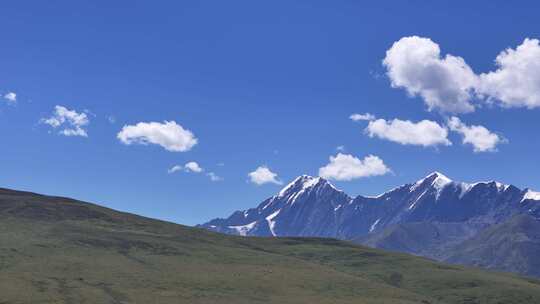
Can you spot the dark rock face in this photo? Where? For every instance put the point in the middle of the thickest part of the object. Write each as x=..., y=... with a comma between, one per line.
x=432, y=217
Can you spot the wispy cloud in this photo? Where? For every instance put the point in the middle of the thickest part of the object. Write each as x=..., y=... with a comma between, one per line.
x=194, y=167
x=214, y=177
x=70, y=122
x=362, y=117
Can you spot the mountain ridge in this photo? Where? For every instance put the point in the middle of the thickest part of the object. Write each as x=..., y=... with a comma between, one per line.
x=440, y=183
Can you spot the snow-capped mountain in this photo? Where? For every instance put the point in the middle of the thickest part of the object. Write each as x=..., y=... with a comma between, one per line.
x=312, y=206
x=434, y=217
x=305, y=207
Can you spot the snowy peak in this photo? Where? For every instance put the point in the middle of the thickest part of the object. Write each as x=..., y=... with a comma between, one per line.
x=438, y=175
x=440, y=181
x=303, y=183
x=298, y=189
x=296, y=184
x=436, y=179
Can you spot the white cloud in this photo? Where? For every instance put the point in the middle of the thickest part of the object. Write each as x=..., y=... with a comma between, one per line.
x=444, y=83
x=340, y=148
x=188, y=167
x=73, y=123
x=361, y=117
x=74, y=132
x=345, y=167
x=516, y=82
x=175, y=168
x=214, y=177
x=423, y=133
x=193, y=167
x=263, y=175
x=11, y=97
x=479, y=137
x=448, y=84
x=169, y=135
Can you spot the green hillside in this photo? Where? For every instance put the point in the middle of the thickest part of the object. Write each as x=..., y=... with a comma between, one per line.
x=57, y=250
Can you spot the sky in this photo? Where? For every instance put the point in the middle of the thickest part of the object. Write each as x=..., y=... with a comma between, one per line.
x=189, y=110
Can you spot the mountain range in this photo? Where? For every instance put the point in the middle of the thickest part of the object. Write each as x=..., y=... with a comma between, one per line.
x=486, y=224
x=60, y=250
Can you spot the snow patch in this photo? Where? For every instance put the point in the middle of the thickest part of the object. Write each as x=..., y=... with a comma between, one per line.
x=416, y=200
x=374, y=225
x=244, y=229
x=531, y=195
x=465, y=188
x=270, y=202
x=271, y=222
x=387, y=192
x=311, y=182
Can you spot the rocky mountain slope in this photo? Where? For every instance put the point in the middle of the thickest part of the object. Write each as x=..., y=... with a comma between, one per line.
x=513, y=245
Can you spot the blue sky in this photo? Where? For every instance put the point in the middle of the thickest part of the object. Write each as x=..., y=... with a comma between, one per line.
x=258, y=84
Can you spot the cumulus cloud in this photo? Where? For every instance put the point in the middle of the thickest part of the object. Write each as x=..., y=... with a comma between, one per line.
x=444, y=83
x=447, y=84
x=345, y=167
x=516, y=82
x=479, y=137
x=423, y=133
x=263, y=175
x=11, y=97
x=362, y=117
x=70, y=122
x=169, y=135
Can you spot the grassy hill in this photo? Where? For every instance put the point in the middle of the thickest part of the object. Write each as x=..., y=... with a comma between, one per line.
x=58, y=250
